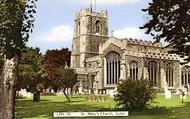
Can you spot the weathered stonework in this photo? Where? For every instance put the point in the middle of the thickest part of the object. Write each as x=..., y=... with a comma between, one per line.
x=138, y=59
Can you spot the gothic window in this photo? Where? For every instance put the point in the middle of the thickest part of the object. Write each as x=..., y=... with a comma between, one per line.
x=170, y=74
x=97, y=25
x=112, y=68
x=133, y=69
x=185, y=75
x=152, y=71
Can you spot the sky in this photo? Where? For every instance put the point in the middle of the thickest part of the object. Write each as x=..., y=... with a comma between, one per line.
x=54, y=25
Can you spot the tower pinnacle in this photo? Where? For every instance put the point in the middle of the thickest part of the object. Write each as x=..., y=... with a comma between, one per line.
x=91, y=5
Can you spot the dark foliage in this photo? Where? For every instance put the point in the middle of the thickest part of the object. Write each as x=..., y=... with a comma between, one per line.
x=53, y=60
x=16, y=23
x=32, y=75
x=134, y=94
x=170, y=20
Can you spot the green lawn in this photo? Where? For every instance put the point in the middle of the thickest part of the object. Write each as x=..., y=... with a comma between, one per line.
x=161, y=109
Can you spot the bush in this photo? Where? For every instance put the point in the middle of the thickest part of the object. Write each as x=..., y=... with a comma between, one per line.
x=134, y=94
x=48, y=94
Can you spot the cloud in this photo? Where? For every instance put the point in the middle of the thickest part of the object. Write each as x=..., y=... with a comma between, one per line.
x=110, y=2
x=129, y=32
x=57, y=34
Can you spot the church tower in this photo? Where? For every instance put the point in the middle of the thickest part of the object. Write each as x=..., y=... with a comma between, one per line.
x=91, y=29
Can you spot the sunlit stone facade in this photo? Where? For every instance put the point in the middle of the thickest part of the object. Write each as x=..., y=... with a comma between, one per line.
x=102, y=61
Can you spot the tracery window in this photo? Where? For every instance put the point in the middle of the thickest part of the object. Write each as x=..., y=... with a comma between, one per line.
x=170, y=74
x=185, y=75
x=133, y=69
x=112, y=68
x=152, y=72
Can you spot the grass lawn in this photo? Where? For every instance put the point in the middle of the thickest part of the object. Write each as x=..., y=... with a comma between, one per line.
x=161, y=109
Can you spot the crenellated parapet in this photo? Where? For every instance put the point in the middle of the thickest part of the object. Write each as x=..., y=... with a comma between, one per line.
x=88, y=12
x=142, y=42
x=163, y=56
x=153, y=55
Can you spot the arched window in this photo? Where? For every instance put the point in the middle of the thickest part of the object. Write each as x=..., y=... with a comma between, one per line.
x=113, y=68
x=185, y=75
x=133, y=69
x=98, y=25
x=152, y=71
x=170, y=74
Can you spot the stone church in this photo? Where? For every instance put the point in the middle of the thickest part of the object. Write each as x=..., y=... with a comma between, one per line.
x=102, y=61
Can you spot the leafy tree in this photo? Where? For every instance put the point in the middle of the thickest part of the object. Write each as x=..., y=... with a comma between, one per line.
x=61, y=78
x=170, y=20
x=134, y=94
x=67, y=78
x=16, y=22
x=31, y=73
x=53, y=59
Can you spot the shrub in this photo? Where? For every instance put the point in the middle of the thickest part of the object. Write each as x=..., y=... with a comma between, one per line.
x=48, y=94
x=134, y=94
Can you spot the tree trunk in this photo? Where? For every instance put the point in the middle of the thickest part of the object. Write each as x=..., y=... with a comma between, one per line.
x=64, y=91
x=1, y=97
x=55, y=89
x=36, y=96
x=71, y=92
x=8, y=87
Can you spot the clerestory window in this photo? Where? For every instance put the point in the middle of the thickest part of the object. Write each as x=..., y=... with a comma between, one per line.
x=133, y=69
x=152, y=72
x=170, y=74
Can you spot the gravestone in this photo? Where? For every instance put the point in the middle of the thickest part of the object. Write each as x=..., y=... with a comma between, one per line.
x=80, y=90
x=111, y=93
x=168, y=94
x=184, y=90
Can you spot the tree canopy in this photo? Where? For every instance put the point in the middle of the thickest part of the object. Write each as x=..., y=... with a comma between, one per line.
x=66, y=78
x=53, y=60
x=170, y=20
x=16, y=22
x=31, y=72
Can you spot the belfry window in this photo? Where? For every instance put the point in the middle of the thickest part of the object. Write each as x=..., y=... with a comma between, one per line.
x=133, y=69
x=152, y=71
x=112, y=68
x=170, y=74
x=98, y=25
x=185, y=76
